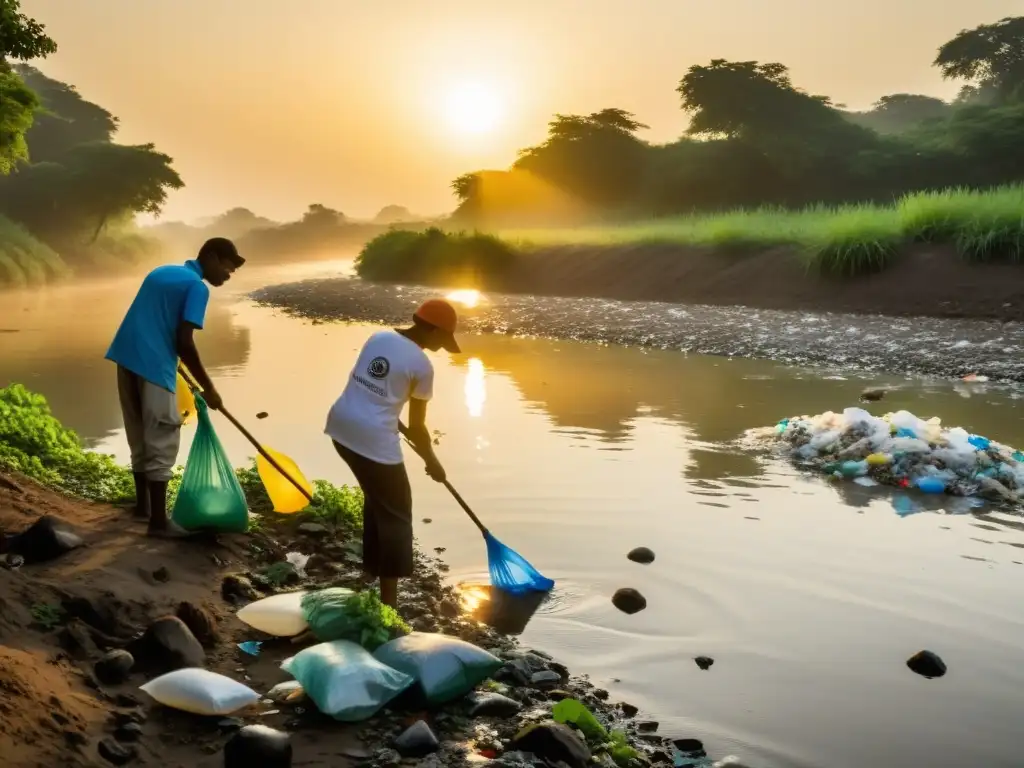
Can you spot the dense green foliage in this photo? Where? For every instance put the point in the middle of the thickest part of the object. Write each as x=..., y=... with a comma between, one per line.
x=756, y=139
x=841, y=240
x=35, y=443
x=434, y=256
x=62, y=177
x=361, y=617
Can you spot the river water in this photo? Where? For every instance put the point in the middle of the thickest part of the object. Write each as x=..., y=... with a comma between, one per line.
x=809, y=596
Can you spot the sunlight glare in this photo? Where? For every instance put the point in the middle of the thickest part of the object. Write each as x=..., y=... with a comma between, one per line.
x=473, y=108
x=476, y=390
x=467, y=297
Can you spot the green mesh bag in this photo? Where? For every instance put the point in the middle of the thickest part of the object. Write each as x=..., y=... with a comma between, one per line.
x=210, y=497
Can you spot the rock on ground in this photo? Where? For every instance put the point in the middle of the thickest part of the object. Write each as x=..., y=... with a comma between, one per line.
x=553, y=742
x=418, y=740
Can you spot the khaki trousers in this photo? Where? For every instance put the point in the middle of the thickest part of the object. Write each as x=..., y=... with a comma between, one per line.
x=152, y=425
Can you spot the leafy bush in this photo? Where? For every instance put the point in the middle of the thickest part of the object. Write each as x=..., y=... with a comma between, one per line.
x=434, y=257
x=35, y=443
x=24, y=260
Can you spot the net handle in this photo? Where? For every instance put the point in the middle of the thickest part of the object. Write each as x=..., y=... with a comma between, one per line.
x=451, y=489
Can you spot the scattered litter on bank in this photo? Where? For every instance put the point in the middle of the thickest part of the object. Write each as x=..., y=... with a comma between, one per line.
x=903, y=451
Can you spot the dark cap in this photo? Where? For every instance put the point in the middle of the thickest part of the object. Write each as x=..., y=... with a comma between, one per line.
x=222, y=248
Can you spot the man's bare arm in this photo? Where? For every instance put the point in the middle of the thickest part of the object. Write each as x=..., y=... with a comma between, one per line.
x=189, y=355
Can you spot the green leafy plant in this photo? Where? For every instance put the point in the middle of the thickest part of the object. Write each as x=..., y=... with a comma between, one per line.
x=35, y=443
x=339, y=614
x=575, y=713
x=47, y=615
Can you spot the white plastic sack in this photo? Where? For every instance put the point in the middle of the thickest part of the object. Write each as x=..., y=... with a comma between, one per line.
x=344, y=680
x=278, y=615
x=200, y=692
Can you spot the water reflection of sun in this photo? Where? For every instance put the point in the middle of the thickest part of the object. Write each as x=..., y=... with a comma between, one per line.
x=476, y=390
x=467, y=297
x=473, y=597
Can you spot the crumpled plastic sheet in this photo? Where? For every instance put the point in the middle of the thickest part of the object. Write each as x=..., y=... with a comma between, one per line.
x=904, y=451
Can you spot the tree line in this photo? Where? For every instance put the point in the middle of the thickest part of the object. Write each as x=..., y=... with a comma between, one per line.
x=63, y=177
x=757, y=139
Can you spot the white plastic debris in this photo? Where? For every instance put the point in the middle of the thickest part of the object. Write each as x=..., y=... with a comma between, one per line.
x=902, y=450
x=298, y=562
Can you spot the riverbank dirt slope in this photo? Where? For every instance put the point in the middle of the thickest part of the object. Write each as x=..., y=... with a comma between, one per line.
x=931, y=281
x=53, y=710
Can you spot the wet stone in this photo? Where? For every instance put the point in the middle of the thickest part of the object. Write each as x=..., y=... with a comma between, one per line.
x=545, y=678
x=417, y=740
x=493, y=705
x=114, y=667
x=553, y=743
x=168, y=645
x=704, y=662
x=258, y=745
x=128, y=732
x=927, y=664
x=647, y=726
x=689, y=746
x=629, y=600
x=116, y=754
x=628, y=710
x=314, y=529
x=642, y=555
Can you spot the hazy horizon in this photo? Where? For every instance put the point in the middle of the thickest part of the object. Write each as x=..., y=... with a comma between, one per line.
x=356, y=107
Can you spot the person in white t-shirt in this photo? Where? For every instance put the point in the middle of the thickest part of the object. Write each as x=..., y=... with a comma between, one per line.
x=364, y=424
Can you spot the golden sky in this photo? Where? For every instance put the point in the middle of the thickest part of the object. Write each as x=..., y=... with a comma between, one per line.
x=354, y=104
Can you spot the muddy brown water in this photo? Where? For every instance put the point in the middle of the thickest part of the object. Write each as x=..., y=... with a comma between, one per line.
x=809, y=597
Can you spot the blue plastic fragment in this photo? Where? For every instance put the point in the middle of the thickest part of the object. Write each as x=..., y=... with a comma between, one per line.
x=903, y=505
x=904, y=432
x=252, y=647
x=1018, y=456
x=981, y=443
x=930, y=485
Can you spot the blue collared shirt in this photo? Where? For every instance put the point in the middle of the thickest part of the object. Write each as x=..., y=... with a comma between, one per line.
x=146, y=341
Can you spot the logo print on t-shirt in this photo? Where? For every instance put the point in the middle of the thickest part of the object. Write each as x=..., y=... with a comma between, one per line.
x=378, y=367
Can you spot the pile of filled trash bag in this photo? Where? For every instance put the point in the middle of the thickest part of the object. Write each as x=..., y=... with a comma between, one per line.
x=903, y=451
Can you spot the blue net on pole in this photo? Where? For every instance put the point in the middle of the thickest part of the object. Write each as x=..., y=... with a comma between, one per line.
x=510, y=572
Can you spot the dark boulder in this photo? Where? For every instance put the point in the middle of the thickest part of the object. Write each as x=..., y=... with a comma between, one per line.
x=258, y=745
x=493, y=705
x=417, y=740
x=628, y=600
x=641, y=555
x=553, y=743
x=927, y=664
x=46, y=539
x=167, y=644
x=114, y=667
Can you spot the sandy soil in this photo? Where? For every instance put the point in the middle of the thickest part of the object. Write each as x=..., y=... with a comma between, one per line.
x=53, y=712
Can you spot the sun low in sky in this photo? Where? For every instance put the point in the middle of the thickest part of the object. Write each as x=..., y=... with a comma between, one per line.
x=473, y=108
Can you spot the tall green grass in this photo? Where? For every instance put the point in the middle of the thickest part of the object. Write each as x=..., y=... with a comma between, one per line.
x=24, y=260
x=845, y=240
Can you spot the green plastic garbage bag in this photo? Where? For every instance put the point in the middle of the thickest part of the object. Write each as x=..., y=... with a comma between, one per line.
x=341, y=614
x=344, y=680
x=210, y=497
x=446, y=668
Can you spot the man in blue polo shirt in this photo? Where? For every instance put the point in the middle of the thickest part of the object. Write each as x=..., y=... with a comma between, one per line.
x=156, y=332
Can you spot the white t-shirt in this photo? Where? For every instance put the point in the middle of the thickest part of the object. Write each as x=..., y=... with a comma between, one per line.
x=390, y=370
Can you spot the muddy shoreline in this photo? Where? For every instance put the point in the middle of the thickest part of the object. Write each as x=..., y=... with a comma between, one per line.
x=103, y=596
x=943, y=347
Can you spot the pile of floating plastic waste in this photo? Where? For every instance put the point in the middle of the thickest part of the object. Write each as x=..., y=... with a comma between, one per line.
x=901, y=450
